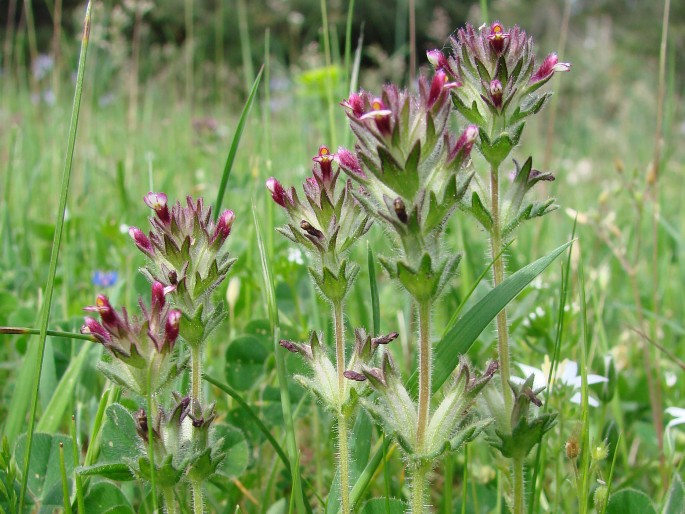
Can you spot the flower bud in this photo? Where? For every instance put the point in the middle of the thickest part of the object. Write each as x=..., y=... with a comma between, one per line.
x=94, y=328
x=400, y=210
x=277, y=191
x=173, y=322
x=142, y=241
x=223, y=225
x=548, y=67
x=349, y=162
x=157, y=302
x=496, y=93
x=158, y=203
x=437, y=59
x=572, y=448
x=310, y=229
x=354, y=103
x=354, y=375
x=465, y=143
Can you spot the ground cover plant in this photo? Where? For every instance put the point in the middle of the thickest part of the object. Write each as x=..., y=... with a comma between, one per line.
x=419, y=328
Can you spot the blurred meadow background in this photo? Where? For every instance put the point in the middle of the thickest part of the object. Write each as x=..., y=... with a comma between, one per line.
x=164, y=86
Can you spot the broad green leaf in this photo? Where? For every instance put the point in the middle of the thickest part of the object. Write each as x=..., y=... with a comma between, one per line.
x=245, y=358
x=107, y=498
x=675, y=499
x=119, y=437
x=630, y=501
x=44, y=471
x=236, y=449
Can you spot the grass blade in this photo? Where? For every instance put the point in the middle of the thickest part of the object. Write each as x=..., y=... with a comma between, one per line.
x=291, y=442
x=62, y=396
x=230, y=159
x=45, y=312
x=465, y=331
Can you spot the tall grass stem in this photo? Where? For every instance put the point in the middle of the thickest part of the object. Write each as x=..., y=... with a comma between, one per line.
x=49, y=288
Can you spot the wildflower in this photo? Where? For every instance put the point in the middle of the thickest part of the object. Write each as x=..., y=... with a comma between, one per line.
x=548, y=67
x=104, y=278
x=498, y=38
x=158, y=203
x=678, y=414
x=142, y=241
x=567, y=375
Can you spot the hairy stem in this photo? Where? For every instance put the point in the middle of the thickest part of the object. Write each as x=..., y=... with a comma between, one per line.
x=418, y=489
x=498, y=278
x=425, y=368
x=195, y=371
x=198, y=500
x=170, y=501
x=519, y=491
x=343, y=457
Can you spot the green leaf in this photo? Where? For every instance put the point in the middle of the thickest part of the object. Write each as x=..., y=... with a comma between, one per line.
x=119, y=437
x=43, y=469
x=469, y=327
x=630, y=501
x=675, y=499
x=480, y=212
x=383, y=506
x=245, y=358
x=107, y=498
x=113, y=471
x=237, y=451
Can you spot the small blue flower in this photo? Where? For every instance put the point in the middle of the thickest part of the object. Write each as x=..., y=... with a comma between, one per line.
x=105, y=278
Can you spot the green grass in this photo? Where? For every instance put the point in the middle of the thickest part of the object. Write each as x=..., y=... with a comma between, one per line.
x=581, y=308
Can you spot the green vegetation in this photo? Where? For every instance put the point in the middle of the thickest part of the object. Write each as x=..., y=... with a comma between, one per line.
x=173, y=98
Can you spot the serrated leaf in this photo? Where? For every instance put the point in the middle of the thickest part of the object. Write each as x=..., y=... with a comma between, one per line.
x=480, y=212
x=113, y=471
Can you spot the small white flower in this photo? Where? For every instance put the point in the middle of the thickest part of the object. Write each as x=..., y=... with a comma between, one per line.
x=566, y=375
x=295, y=255
x=678, y=416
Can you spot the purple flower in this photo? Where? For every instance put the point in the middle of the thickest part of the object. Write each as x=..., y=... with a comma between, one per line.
x=349, y=162
x=277, y=192
x=438, y=85
x=465, y=143
x=142, y=241
x=496, y=92
x=355, y=103
x=498, y=38
x=380, y=114
x=94, y=328
x=223, y=225
x=325, y=159
x=548, y=67
x=171, y=328
x=158, y=203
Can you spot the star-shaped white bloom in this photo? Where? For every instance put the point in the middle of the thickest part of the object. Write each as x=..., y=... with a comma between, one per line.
x=567, y=375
